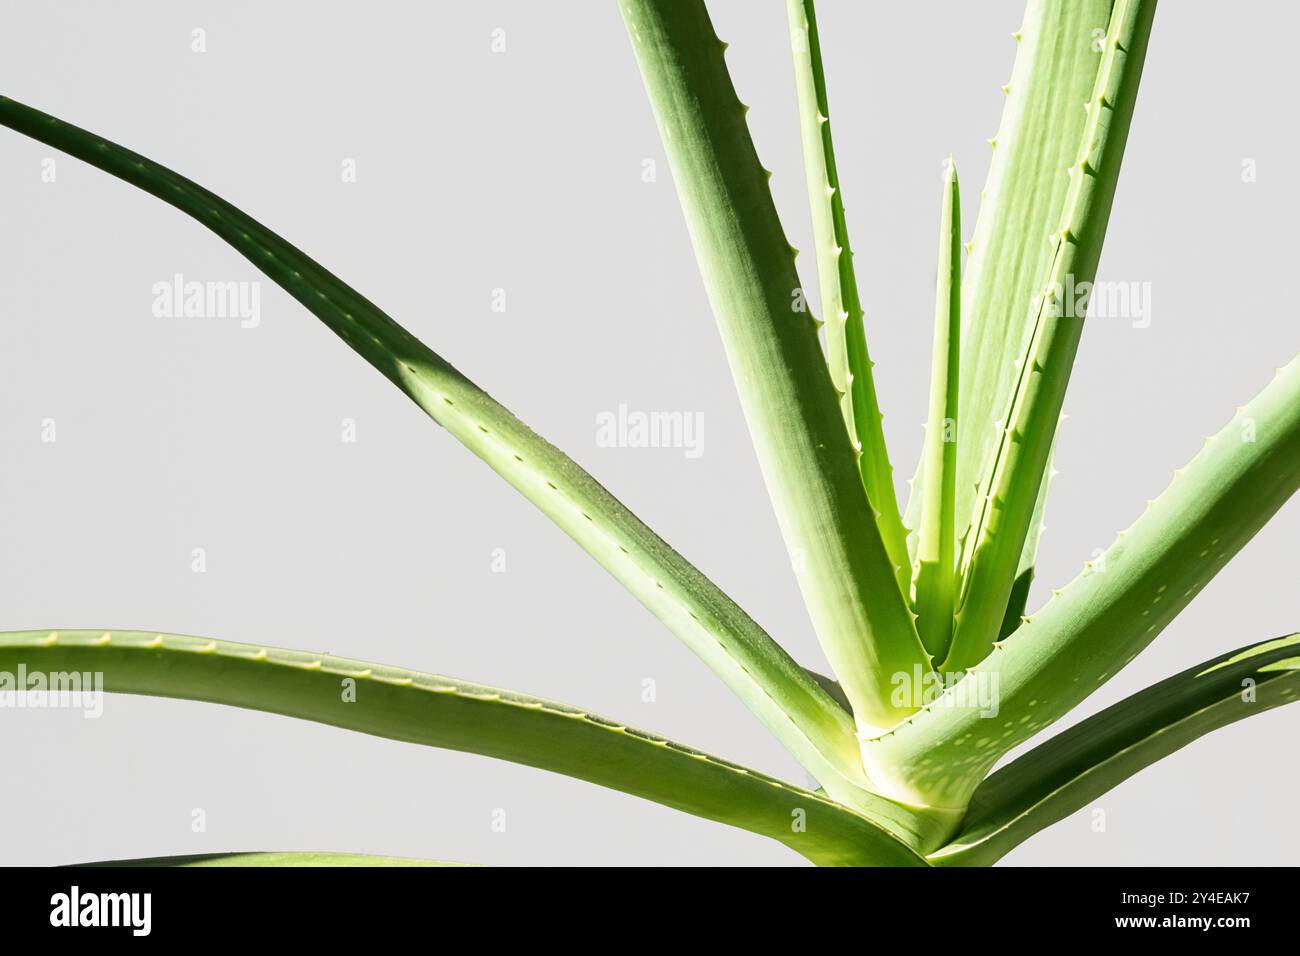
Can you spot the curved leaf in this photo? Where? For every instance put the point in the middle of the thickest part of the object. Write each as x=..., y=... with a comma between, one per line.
x=1067, y=772
x=443, y=712
x=291, y=858
x=792, y=706
x=1112, y=610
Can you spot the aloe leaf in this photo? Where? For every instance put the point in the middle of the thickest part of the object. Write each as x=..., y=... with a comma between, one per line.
x=1102, y=619
x=1094, y=756
x=846, y=340
x=936, y=576
x=444, y=712
x=1003, y=515
x=1036, y=142
x=1019, y=596
x=843, y=567
x=291, y=858
x=790, y=704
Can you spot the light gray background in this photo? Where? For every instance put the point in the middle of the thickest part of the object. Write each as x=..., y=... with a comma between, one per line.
x=522, y=170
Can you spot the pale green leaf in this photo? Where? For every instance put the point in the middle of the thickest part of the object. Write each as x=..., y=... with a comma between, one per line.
x=843, y=567
x=1019, y=596
x=789, y=702
x=1094, y=756
x=936, y=555
x=444, y=712
x=1004, y=511
x=1103, y=618
x=1020, y=206
x=846, y=341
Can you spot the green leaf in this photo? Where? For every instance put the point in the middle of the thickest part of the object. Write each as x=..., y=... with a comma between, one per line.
x=846, y=339
x=1003, y=516
x=936, y=575
x=444, y=712
x=1094, y=756
x=1019, y=596
x=271, y=859
x=792, y=706
x=1036, y=142
x=1103, y=618
x=844, y=570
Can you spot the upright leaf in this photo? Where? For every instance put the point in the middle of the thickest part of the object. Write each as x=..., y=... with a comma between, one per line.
x=844, y=569
x=936, y=576
x=996, y=540
x=1020, y=206
x=846, y=339
x=1018, y=599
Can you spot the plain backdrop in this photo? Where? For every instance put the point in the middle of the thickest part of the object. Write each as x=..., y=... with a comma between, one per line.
x=523, y=170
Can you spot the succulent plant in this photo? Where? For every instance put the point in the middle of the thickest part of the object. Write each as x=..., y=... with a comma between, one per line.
x=921, y=609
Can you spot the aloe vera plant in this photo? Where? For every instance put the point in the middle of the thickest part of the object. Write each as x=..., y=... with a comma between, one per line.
x=938, y=672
